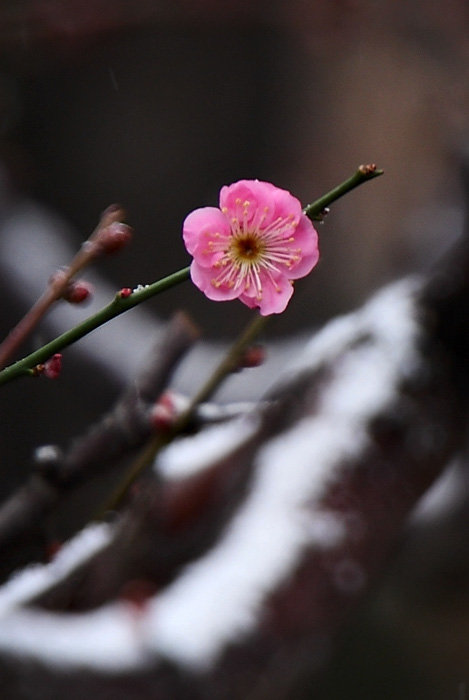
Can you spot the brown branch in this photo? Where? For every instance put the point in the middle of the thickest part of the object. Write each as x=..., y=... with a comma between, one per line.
x=125, y=427
x=409, y=442
x=57, y=285
x=370, y=490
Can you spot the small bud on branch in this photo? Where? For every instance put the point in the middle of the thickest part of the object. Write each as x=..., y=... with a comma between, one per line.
x=254, y=356
x=110, y=235
x=122, y=303
x=164, y=413
x=114, y=237
x=78, y=292
x=53, y=367
x=363, y=173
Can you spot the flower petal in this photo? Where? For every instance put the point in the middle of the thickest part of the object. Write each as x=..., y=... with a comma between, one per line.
x=284, y=205
x=275, y=296
x=306, y=238
x=230, y=194
x=253, y=248
x=266, y=200
x=203, y=278
x=201, y=229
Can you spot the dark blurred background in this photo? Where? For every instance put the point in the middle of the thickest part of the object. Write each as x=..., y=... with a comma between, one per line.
x=156, y=104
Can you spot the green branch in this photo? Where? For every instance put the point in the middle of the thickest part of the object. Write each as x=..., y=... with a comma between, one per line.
x=119, y=305
x=315, y=211
x=227, y=365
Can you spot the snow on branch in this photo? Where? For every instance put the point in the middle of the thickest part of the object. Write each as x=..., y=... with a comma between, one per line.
x=127, y=426
x=241, y=556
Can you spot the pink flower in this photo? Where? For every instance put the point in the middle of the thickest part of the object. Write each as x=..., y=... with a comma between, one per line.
x=252, y=247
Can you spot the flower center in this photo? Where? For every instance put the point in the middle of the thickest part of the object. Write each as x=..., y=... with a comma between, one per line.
x=247, y=248
x=255, y=254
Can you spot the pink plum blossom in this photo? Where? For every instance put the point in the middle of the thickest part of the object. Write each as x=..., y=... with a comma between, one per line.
x=252, y=247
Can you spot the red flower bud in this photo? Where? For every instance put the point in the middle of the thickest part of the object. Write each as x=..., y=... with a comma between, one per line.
x=125, y=292
x=163, y=413
x=114, y=237
x=78, y=292
x=53, y=366
x=253, y=356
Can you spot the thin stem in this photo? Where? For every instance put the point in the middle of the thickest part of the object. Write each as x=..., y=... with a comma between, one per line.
x=118, y=306
x=315, y=210
x=229, y=363
x=88, y=252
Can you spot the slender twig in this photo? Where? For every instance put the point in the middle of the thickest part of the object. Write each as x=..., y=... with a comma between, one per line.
x=229, y=363
x=57, y=285
x=231, y=360
x=125, y=427
x=315, y=210
x=118, y=306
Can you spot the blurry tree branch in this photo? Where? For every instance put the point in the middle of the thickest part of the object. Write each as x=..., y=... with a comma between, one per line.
x=347, y=440
x=127, y=426
x=101, y=239
x=371, y=490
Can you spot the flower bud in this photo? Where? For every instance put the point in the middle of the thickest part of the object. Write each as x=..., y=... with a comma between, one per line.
x=114, y=237
x=253, y=356
x=163, y=413
x=53, y=366
x=78, y=291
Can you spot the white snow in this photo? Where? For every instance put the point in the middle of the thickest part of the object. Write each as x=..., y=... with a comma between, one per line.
x=389, y=317
x=218, y=598
x=445, y=496
x=107, y=638
x=37, y=578
x=191, y=454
